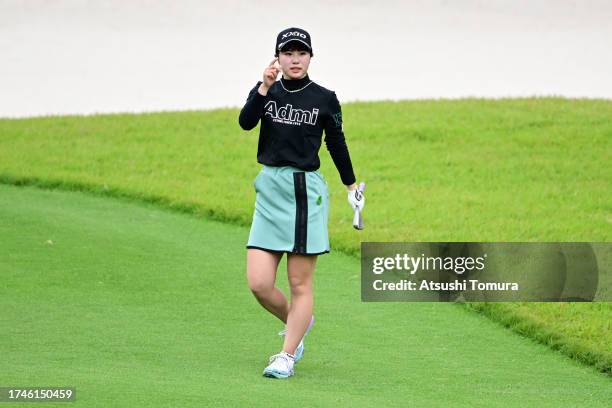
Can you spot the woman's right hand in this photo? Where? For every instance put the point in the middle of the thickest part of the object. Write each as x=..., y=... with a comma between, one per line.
x=270, y=74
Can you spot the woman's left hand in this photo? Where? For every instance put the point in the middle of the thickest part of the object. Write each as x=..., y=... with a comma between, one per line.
x=356, y=199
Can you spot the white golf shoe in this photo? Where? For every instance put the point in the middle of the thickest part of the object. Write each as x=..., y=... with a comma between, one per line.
x=281, y=366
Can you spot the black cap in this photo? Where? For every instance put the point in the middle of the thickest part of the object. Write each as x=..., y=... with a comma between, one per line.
x=292, y=34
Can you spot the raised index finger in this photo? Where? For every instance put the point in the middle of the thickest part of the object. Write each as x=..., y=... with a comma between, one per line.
x=273, y=61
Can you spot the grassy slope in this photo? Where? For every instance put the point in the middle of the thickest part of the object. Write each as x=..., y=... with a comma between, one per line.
x=469, y=170
x=137, y=307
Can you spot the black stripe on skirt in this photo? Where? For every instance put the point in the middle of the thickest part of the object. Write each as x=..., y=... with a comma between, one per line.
x=301, y=211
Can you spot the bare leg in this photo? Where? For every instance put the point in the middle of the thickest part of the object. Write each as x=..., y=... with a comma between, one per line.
x=300, y=269
x=261, y=275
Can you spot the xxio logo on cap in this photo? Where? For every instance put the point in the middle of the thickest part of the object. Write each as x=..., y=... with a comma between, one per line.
x=292, y=33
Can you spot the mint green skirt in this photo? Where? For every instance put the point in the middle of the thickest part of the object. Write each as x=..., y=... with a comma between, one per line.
x=291, y=211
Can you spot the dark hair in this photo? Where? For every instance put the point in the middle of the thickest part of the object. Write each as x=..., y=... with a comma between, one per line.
x=295, y=46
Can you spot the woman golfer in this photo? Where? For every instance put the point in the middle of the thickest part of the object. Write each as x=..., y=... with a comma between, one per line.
x=292, y=200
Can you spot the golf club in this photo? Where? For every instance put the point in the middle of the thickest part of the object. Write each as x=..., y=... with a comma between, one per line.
x=358, y=218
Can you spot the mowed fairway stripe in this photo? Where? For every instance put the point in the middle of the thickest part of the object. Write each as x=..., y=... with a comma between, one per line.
x=137, y=306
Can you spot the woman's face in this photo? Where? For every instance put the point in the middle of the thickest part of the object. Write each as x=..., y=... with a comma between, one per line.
x=294, y=63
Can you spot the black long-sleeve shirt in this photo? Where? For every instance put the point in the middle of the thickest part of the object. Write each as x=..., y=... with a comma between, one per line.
x=294, y=114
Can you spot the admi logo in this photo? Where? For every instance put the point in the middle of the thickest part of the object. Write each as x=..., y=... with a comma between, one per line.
x=288, y=113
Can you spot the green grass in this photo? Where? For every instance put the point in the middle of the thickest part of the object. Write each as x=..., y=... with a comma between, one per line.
x=464, y=170
x=576, y=331
x=137, y=306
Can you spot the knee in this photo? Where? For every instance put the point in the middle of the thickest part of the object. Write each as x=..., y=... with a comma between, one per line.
x=259, y=287
x=300, y=287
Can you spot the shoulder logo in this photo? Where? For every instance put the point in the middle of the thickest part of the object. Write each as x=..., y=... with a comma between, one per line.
x=337, y=119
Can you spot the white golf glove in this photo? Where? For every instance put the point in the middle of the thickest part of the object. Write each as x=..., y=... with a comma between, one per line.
x=356, y=199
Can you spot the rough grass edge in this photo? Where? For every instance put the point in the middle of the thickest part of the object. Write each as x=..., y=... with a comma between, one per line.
x=494, y=311
x=524, y=326
x=131, y=196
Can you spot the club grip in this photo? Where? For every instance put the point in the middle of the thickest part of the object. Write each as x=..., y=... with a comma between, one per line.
x=360, y=189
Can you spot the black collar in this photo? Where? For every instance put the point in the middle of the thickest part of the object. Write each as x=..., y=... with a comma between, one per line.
x=293, y=84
